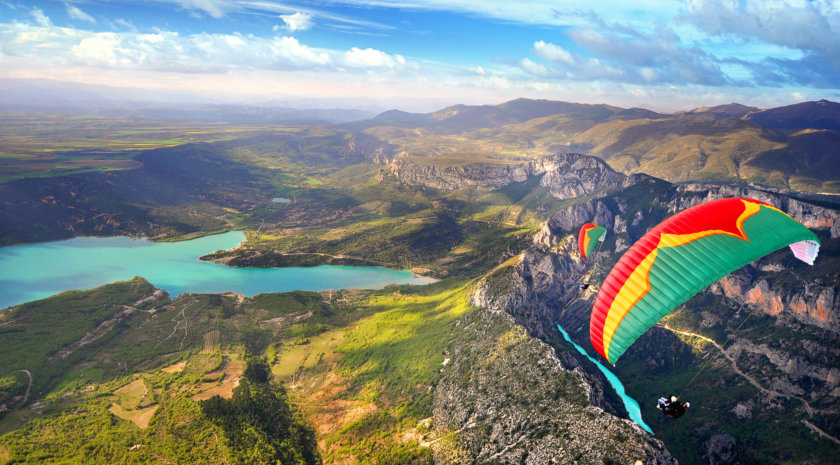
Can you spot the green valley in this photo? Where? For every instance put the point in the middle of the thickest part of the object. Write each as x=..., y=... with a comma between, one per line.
x=469, y=369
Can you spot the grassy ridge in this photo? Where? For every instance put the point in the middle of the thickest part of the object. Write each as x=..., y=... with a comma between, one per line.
x=359, y=363
x=366, y=385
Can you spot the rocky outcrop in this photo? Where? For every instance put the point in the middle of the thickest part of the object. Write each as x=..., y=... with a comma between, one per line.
x=426, y=173
x=812, y=303
x=721, y=449
x=789, y=346
x=571, y=218
x=572, y=175
x=368, y=147
x=566, y=175
x=812, y=216
x=507, y=398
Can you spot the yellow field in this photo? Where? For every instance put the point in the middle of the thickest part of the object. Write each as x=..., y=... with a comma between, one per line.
x=229, y=374
x=140, y=417
x=132, y=394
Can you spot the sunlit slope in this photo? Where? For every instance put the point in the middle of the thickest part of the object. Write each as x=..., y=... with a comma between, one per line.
x=724, y=143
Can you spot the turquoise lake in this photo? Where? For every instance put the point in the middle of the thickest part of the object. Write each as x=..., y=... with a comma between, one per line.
x=35, y=271
x=630, y=404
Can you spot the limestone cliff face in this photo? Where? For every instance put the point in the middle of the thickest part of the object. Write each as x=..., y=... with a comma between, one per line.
x=488, y=176
x=816, y=304
x=566, y=175
x=368, y=147
x=812, y=216
x=532, y=292
x=814, y=301
x=507, y=398
x=572, y=175
x=790, y=346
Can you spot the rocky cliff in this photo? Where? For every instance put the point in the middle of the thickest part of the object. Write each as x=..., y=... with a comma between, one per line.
x=785, y=357
x=506, y=397
x=566, y=175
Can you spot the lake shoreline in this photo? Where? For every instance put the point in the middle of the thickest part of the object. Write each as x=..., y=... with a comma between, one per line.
x=84, y=263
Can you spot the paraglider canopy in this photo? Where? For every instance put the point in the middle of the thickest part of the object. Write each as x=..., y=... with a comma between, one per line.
x=590, y=235
x=683, y=255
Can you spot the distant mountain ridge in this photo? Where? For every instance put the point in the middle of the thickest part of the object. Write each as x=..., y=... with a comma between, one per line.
x=471, y=117
x=822, y=114
x=734, y=110
x=48, y=96
x=790, y=147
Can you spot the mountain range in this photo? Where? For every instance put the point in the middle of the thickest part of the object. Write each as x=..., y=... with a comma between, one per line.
x=790, y=147
x=471, y=369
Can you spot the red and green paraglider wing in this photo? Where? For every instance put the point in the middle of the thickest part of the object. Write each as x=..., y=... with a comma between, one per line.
x=683, y=255
x=590, y=235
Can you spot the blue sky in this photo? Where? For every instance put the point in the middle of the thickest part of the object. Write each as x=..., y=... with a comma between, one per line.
x=424, y=54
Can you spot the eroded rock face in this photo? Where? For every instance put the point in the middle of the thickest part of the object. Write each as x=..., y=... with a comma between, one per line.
x=507, y=398
x=427, y=174
x=812, y=216
x=573, y=175
x=721, y=449
x=566, y=175
x=815, y=304
x=790, y=346
x=368, y=147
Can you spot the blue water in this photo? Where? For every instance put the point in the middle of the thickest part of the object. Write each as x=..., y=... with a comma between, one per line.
x=630, y=403
x=35, y=271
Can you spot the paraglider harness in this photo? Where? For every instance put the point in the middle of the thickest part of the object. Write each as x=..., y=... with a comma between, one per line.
x=672, y=406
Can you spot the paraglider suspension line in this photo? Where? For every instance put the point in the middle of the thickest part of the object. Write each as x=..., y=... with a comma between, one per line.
x=707, y=361
x=673, y=363
x=597, y=248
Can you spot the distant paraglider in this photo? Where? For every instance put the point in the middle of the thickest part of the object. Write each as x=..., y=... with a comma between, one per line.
x=683, y=255
x=590, y=239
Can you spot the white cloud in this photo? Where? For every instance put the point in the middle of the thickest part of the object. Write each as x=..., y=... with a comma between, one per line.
x=371, y=58
x=537, y=69
x=812, y=28
x=214, y=8
x=185, y=53
x=298, y=21
x=221, y=8
x=553, y=53
x=75, y=12
x=39, y=17
x=549, y=12
x=796, y=24
x=630, y=57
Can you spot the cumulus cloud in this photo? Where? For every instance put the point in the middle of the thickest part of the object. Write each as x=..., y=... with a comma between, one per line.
x=185, y=53
x=75, y=12
x=371, y=58
x=537, y=69
x=636, y=58
x=553, y=53
x=298, y=21
x=812, y=28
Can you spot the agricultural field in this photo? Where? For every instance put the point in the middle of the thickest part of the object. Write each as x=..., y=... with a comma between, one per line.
x=36, y=145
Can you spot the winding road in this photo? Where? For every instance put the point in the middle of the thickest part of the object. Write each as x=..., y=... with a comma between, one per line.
x=178, y=322
x=26, y=396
